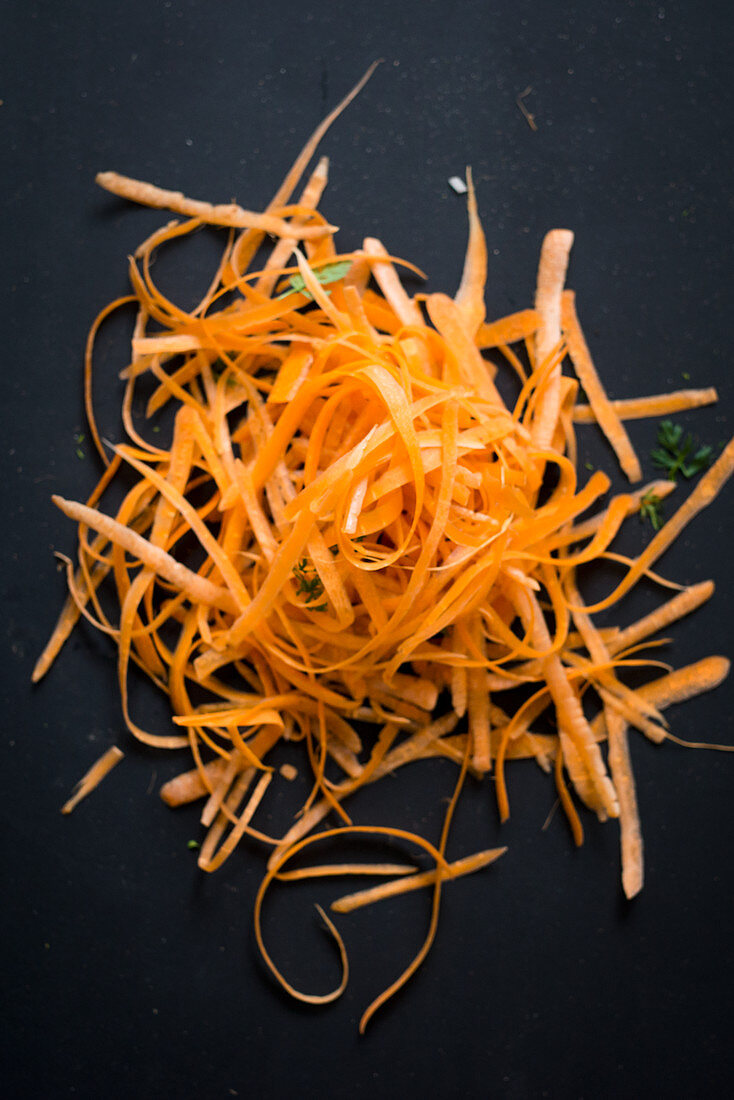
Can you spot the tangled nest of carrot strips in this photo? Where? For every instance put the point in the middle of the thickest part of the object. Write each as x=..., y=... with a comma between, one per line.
x=377, y=531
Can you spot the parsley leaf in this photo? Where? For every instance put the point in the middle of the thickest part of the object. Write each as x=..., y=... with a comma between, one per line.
x=675, y=453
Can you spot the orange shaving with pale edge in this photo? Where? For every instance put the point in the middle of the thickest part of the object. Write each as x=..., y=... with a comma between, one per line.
x=354, y=541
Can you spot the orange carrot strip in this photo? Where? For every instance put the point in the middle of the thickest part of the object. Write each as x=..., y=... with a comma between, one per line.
x=677, y=687
x=682, y=604
x=470, y=295
x=620, y=765
x=93, y=777
x=663, y=404
x=88, y=405
x=403, y=307
x=334, y=870
x=684, y=683
x=508, y=330
x=190, y=785
x=227, y=214
x=551, y=277
x=583, y=364
x=199, y=589
x=211, y=862
x=466, y=866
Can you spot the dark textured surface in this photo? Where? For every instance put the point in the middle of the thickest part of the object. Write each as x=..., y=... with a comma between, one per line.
x=126, y=973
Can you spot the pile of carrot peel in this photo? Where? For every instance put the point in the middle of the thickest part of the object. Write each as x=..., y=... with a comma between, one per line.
x=353, y=542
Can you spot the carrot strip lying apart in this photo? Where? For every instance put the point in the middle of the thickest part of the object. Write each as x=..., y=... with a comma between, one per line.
x=470, y=295
x=603, y=410
x=620, y=765
x=456, y=869
x=93, y=777
x=229, y=214
x=680, y=685
x=682, y=604
x=663, y=404
x=351, y=544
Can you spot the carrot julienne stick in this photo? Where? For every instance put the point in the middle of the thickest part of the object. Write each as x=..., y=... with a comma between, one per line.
x=603, y=410
x=663, y=404
x=93, y=777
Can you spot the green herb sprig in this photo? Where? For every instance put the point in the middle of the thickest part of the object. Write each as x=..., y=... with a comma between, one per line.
x=676, y=454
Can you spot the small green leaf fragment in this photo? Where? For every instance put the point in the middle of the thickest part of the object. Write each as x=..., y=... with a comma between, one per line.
x=330, y=273
x=309, y=582
x=651, y=508
x=193, y=845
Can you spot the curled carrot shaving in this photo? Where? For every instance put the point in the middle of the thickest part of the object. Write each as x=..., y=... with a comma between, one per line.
x=349, y=530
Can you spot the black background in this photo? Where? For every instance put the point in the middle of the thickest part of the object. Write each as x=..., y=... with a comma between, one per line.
x=125, y=971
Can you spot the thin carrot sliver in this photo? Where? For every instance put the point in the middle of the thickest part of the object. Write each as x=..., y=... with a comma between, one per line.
x=465, y=866
x=470, y=295
x=663, y=404
x=93, y=777
x=551, y=278
x=603, y=410
x=228, y=214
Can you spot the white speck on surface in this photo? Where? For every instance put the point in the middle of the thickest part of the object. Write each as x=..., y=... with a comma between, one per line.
x=457, y=184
